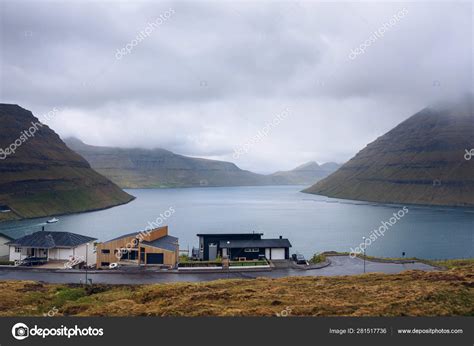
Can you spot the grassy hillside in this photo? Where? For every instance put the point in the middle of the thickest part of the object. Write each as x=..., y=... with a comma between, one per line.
x=308, y=173
x=411, y=293
x=158, y=168
x=421, y=161
x=44, y=177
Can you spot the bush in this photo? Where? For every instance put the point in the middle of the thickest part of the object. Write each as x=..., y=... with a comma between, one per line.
x=247, y=263
x=317, y=258
x=184, y=258
x=200, y=264
x=7, y=263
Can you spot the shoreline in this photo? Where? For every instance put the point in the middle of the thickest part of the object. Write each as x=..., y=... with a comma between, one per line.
x=468, y=208
x=66, y=214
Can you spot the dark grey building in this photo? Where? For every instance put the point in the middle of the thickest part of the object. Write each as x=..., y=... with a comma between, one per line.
x=237, y=246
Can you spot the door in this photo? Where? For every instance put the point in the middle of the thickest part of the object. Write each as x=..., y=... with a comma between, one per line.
x=212, y=252
x=278, y=254
x=154, y=258
x=267, y=253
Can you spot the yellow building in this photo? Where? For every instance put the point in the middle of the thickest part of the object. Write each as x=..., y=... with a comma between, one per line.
x=153, y=247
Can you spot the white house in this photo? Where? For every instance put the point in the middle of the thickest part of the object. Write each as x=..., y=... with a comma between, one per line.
x=4, y=249
x=48, y=246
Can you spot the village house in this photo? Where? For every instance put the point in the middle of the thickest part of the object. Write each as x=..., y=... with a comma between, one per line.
x=154, y=247
x=45, y=246
x=4, y=248
x=242, y=246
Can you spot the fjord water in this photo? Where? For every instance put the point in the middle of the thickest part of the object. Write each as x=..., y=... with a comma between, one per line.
x=312, y=223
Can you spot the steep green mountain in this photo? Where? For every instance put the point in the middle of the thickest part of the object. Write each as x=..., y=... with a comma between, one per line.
x=43, y=176
x=420, y=161
x=307, y=174
x=156, y=168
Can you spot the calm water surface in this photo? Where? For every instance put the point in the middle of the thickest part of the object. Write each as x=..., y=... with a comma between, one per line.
x=312, y=223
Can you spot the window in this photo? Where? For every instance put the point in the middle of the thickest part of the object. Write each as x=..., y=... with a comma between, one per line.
x=18, y=249
x=255, y=249
x=104, y=264
x=105, y=251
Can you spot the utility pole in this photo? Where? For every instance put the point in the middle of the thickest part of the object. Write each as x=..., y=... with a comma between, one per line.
x=87, y=252
x=365, y=246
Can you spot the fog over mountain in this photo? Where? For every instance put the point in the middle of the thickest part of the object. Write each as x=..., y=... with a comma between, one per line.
x=424, y=160
x=203, y=79
x=160, y=168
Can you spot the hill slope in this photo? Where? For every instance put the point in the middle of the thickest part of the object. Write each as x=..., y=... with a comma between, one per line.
x=420, y=161
x=307, y=174
x=410, y=293
x=44, y=177
x=144, y=168
x=156, y=168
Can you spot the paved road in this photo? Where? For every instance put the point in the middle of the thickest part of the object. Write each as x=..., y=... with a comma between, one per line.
x=340, y=265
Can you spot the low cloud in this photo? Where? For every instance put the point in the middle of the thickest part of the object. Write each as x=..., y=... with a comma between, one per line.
x=213, y=74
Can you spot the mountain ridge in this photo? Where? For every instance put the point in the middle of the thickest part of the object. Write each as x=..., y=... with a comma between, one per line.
x=40, y=176
x=160, y=168
x=420, y=161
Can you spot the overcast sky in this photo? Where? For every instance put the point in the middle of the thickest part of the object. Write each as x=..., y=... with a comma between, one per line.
x=209, y=76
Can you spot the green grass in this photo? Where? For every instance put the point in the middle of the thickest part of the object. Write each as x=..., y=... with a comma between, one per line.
x=65, y=294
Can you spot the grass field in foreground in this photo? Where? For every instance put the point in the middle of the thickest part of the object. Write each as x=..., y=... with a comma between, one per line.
x=411, y=293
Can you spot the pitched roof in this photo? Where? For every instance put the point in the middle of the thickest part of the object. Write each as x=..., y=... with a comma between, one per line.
x=48, y=240
x=125, y=236
x=167, y=242
x=6, y=236
x=135, y=234
x=226, y=234
x=268, y=243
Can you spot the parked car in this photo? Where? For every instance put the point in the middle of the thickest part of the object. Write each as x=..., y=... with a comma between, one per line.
x=31, y=261
x=298, y=258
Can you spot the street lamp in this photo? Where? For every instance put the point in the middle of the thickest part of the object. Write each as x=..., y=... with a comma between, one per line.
x=363, y=238
x=87, y=252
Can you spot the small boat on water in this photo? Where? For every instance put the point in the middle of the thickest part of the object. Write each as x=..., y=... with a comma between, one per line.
x=53, y=220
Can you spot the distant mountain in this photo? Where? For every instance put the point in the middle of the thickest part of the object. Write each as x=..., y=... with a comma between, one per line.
x=421, y=161
x=306, y=174
x=157, y=168
x=43, y=176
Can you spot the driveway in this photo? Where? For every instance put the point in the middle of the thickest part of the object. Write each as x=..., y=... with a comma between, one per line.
x=340, y=265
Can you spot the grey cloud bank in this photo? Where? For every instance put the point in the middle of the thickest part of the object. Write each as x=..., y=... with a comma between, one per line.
x=213, y=74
